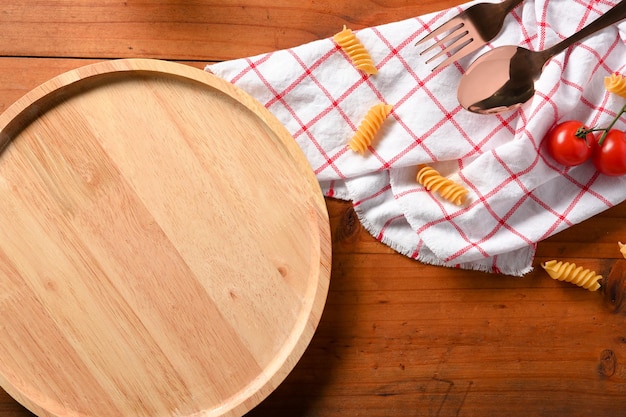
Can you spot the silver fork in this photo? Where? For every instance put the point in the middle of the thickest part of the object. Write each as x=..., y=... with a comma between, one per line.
x=468, y=31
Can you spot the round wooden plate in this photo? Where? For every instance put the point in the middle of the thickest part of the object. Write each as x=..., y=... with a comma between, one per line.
x=164, y=245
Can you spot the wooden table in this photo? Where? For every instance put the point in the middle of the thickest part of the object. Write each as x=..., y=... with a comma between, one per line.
x=398, y=338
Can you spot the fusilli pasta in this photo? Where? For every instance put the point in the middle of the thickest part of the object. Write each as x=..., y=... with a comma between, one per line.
x=569, y=272
x=369, y=126
x=616, y=84
x=356, y=51
x=433, y=181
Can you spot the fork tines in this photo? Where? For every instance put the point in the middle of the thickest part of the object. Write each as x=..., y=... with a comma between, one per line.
x=455, y=38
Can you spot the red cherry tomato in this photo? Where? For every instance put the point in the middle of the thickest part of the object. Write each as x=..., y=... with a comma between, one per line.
x=610, y=157
x=566, y=147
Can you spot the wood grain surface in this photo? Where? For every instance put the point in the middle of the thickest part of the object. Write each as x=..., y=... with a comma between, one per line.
x=146, y=266
x=397, y=338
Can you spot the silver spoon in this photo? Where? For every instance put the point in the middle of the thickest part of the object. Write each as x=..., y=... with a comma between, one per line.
x=504, y=78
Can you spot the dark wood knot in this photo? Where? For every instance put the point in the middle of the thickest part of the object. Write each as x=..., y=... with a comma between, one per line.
x=349, y=226
x=608, y=363
x=614, y=287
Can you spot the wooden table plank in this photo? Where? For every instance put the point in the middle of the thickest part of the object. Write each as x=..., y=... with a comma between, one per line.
x=397, y=338
x=192, y=30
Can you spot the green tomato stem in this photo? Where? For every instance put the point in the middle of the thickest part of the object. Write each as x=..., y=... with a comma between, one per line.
x=610, y=126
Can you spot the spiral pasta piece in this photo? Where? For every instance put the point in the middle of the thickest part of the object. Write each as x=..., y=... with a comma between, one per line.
x=569, y=272
x=616, y=84
x=369, y=126
x=433, y=181
x=356, y=51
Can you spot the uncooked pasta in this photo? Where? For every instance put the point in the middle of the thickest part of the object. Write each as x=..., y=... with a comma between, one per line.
x=616, y=84
x=433, y=181
x=570, y=272
x=369, y=127
x=356, y=51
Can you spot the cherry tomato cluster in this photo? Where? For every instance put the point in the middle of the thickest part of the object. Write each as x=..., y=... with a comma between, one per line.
x=572, y=143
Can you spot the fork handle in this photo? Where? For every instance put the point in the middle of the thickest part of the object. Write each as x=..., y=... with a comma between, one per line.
x=495, y=13
x=509, y=5
x=614, y=15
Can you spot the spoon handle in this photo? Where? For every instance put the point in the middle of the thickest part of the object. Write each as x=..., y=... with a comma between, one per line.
x=614, y=15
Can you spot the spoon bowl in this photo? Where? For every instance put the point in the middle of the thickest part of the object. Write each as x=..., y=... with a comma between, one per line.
x=498, y=81
x=504, y=78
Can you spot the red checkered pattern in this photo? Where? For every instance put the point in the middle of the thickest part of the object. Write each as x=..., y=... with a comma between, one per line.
x=518, y=194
